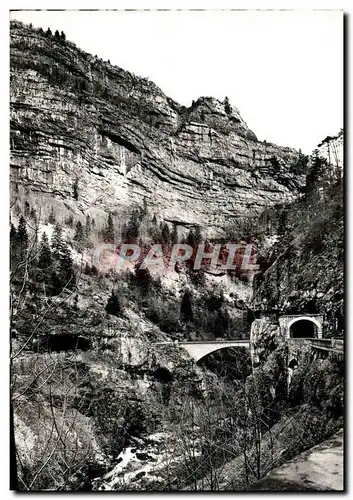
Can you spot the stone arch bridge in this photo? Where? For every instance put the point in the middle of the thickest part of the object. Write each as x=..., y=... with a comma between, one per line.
x=200, y=349
x=307, y=326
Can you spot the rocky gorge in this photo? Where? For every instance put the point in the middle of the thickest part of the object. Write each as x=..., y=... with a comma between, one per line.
x=99, y=402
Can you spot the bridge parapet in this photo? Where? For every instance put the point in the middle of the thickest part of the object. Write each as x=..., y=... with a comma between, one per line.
x=199, y=349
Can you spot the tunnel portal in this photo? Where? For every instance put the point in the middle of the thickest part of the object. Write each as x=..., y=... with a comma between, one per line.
x=303, y=329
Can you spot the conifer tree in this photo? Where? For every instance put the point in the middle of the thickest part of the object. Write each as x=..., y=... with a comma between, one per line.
x=13, y=233
x=22, y=230
x=63, y=274
x=113, y=306
x=13, y=247
x=316, y=173
x=131, y=230
x=87, y=269
x=33, y=215
x=186, y=313
x=69, y=220
x=18, y=248
x=79, y=234
x=57, y=242
x=143, y=278
x=165, y=237
x=198, y=235
x=174, y=235
x=75, y=189
x=45, y=260
x=109, y=231
x=227, y=106
x=22, y=238
x=190, y=240
x=66, y=268
x=51, y=218
x=282, y=224
x=88, y=226
x=144, y=210
x=194, y=237
x=27, y=208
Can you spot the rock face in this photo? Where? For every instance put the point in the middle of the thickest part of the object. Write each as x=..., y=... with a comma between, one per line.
x=332, y=149
x=306, y=265
x=89, y=137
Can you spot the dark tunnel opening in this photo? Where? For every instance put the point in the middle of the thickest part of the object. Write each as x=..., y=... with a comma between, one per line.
x=303, y=329
x=62, y=342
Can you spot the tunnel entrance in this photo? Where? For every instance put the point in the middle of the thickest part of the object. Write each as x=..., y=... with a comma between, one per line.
x=303, y=329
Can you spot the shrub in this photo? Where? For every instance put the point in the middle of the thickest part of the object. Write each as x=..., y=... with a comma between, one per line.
x=165, y=315
x=75, y=186
x=214, y=301
x=142, y=278
x=250, y=135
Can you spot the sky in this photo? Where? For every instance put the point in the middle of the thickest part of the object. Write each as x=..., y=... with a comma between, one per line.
x=283, y=70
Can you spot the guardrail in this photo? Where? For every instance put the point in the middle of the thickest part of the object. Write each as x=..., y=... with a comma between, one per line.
x=329, y=345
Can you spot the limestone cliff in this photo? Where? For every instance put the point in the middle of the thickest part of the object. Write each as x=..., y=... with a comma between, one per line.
x=76, y=120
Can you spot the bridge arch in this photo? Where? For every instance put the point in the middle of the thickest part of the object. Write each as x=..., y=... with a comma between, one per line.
x=304, y=327
x=198, y=350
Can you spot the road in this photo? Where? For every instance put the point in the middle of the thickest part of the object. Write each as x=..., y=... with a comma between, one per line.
x=318, y=469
